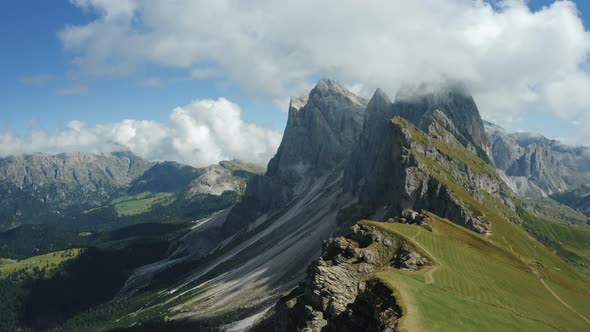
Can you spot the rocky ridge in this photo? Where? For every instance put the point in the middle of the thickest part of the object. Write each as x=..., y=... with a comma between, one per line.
x=536, y=167
x=339, y=293
x=390, y=169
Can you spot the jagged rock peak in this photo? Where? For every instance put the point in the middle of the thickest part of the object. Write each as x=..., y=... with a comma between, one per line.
x=298, y=102
x=320, y=133
x=327, y=87
x=379, y=98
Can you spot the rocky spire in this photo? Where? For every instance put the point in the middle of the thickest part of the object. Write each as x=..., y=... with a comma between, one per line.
x=370, y=165
x=320, y=132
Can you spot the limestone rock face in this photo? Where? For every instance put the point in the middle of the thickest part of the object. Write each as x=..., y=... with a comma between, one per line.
x=320, y=134
x=418, y=104
x=214, y=180
x=371, y=171
x=45, y=186
x=535, y=166
x=66, y=173
x=387, y=176
x=338, y=294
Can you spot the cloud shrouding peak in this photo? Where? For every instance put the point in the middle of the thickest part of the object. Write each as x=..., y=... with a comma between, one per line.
x=199, y=134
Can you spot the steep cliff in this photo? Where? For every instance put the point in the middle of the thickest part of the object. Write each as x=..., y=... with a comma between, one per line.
x=391, y=170
x=340, y=292
x=536, y=167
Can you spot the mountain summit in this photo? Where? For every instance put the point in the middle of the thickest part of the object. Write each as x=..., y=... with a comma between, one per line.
x=320, y=133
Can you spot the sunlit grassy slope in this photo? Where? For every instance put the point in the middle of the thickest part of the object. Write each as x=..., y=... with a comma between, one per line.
x=50, y=262
x=478, y=284
x=530, y=274
x=140, y=203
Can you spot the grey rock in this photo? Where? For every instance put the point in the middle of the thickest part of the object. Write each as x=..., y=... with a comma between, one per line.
x=45, y=186
x=420, y=104
x=338, y=288
x=535, y=167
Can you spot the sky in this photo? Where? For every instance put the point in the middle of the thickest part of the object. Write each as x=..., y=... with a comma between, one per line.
x=200, y=81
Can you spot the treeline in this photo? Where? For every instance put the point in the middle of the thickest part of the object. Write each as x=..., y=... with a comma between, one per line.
x=78, y=293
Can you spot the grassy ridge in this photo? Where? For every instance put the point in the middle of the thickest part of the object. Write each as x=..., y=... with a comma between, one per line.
x=479, y=285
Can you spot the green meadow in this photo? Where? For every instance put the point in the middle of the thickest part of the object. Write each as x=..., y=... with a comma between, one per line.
x=478, y=285
x=140, y=203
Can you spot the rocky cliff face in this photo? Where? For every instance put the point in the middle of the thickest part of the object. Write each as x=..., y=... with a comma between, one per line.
x=388, y=176
x=452, y=106
x=320, y=134
x=339, y=293
x=535, y=166
x=59, y=178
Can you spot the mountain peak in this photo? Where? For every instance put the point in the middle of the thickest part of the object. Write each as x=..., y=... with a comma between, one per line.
x=297, y=102
x=379, y=98
x=331, y=88
x=424, y=104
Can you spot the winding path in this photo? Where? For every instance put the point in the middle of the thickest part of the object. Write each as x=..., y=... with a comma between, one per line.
x=556, y=296
x=428, y=276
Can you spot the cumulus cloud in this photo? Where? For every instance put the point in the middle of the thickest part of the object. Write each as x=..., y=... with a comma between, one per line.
x=512, y=59
x=199, y=134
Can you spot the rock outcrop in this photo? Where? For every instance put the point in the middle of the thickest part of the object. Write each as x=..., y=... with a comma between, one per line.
x=339, y=293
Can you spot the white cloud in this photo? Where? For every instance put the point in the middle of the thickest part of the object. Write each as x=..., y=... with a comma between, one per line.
x=153, y=82
x=199, y=134
x=512, y=59
x=203, y=73
x=73, y=89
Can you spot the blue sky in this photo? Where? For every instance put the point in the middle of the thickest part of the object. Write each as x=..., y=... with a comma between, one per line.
x=41, y=89
x=32, y=49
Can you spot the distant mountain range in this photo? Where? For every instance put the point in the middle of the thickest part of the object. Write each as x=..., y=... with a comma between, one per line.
x=43, y=188
x=535, y=166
